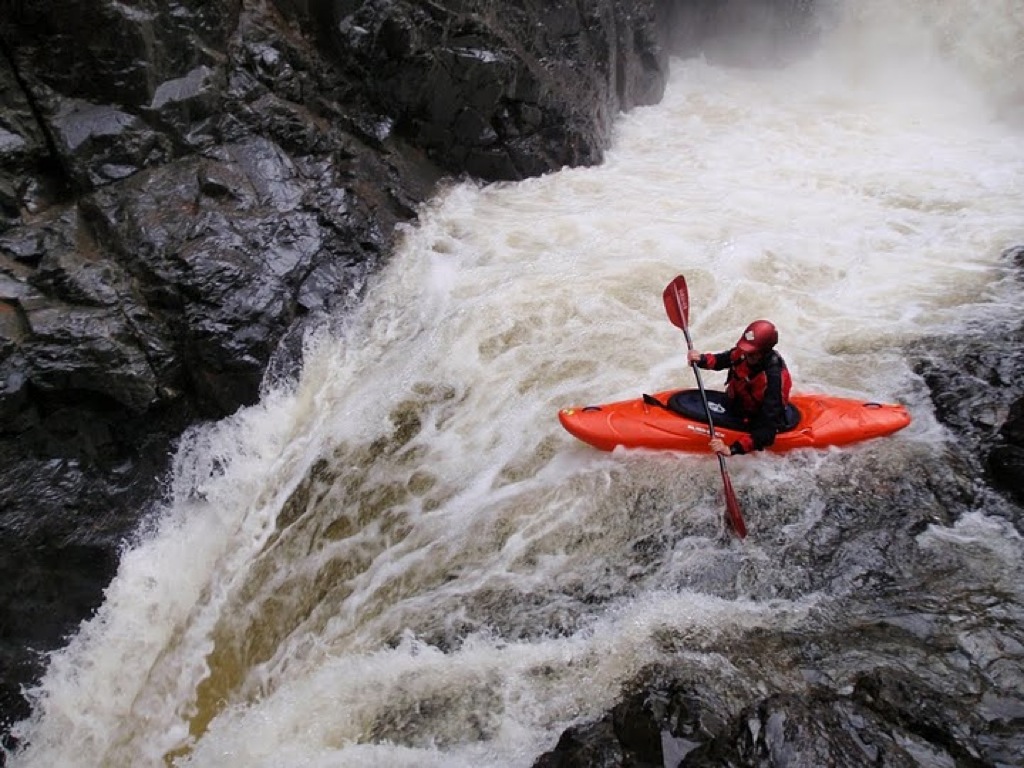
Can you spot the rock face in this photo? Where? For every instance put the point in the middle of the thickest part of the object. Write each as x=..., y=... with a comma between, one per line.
x=978, y=393
x=1005, y=462
x=498, y=90
x=888, y=718
x=185, y=186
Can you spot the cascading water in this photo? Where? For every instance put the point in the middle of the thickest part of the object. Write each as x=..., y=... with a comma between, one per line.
x=401, y=559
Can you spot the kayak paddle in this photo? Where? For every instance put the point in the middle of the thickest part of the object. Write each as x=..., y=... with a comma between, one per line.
x=677, y=305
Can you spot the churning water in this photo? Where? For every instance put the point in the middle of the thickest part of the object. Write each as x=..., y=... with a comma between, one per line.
x=400, y=559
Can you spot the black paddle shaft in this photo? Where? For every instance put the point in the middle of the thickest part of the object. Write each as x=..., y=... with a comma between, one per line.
x=696, y=370
x=700, y=382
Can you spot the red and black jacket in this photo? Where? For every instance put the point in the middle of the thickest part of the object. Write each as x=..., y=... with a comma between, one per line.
x=759, y=394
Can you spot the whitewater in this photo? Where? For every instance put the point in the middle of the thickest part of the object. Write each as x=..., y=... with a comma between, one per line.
x=398, y=558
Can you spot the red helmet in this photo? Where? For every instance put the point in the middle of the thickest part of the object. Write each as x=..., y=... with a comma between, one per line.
x=758, y=338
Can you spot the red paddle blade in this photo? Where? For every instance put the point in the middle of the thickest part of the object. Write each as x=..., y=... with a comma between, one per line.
x=677, y=302
x=732, y=507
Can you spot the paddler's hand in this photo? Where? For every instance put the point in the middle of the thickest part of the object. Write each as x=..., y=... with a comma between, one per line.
x=693, y=356
x=718, y=446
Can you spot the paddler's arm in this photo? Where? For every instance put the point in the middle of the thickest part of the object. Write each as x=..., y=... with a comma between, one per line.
x=709, y=360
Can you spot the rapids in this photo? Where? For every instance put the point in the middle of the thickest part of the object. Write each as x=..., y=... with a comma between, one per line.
x=398, y=558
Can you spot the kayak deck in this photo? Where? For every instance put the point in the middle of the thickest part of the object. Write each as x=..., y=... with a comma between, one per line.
x=824, y=421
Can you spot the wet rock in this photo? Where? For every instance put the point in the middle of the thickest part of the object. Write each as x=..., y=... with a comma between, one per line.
x=821, y=729
x=77, y=476
x=500, y=94
x=630, y=735
x=22, y=148
x=110, y=53
x=979, y=397
x=585, y=747
x=978, y=393
x=1016, y=255
x=928, y=721
x=101, y=144
x=656, y=726
x=1005, y=462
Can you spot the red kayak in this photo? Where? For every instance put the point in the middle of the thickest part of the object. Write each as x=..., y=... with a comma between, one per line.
x=674, y=421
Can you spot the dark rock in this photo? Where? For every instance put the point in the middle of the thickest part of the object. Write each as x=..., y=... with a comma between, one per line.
x=889, y=717
x=1012, y=430
x=95, y=50
x=909, y=705
x=590, y=746
x=23, y=150
x=977, y=392
x=1016, y=255
x=101, y=144
x=814, y=730
x=77, y=476
x=1006, y=465
x=656, y=726
x=1005, y=462
x=499, y=94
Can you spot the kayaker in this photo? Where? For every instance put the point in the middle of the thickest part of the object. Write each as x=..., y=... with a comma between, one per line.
x=757, y=386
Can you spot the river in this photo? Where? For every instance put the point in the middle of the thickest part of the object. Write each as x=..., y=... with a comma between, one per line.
x=399, y=558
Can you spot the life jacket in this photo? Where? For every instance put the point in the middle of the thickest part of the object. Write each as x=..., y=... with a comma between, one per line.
x=759, y=390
